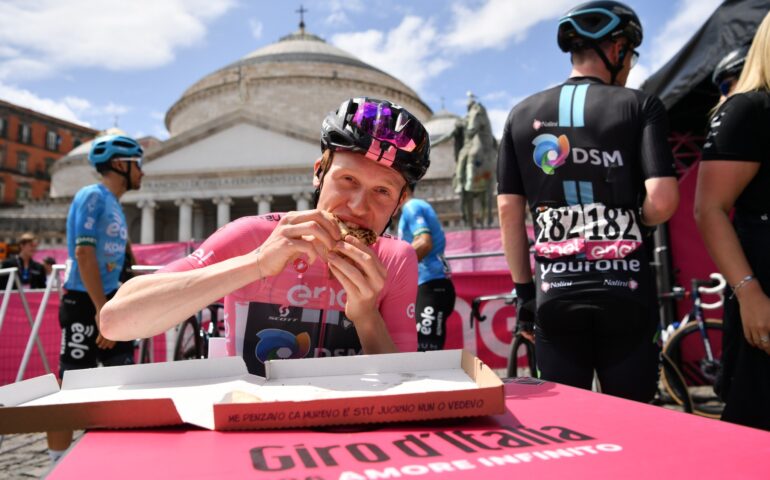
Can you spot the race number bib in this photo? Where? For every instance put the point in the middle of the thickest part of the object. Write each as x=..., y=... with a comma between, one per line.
x=597, y=231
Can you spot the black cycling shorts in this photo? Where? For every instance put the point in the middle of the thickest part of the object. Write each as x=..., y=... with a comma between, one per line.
x=79, y=332
x=574, y=338
x=435, y=302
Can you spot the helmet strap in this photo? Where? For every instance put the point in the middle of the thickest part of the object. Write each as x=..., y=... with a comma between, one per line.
x=614, y=69
x=393, y=214
x=126, y=175
x=321, y=174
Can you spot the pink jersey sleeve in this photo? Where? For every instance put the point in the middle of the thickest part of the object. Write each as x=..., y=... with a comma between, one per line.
x=398, y=303
x=237, y=238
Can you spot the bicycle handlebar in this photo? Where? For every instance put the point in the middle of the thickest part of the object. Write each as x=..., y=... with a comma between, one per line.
x=714, y=286
x=509, y=299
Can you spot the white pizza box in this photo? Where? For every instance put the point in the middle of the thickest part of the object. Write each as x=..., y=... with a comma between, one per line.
x=220, y=394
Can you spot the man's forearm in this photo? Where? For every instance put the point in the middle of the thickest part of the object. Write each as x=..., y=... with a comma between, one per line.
x=88, y=266
x=374, y=336
x=511, y=209
x=148, y=305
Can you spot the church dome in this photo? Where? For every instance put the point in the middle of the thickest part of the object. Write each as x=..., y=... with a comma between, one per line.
x=295, y=81
x=72, y=172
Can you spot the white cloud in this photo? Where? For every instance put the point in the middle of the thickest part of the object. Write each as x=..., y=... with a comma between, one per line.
x=497, y=117
x=56, y=108
x=494, y=23
x=687, y=19
x=415, y=51
x=638, y=75
x=339, y=9
x=159, y=131
x=111, y=34
x=70, y=108
x=395, y=52
x=256, y=28
x=156, y=115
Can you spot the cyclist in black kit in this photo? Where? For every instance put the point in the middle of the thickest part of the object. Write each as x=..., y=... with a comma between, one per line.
x=591, y=160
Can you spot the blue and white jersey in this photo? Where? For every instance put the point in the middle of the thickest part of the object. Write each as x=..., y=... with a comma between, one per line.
x=417, y=218
x=96, y=219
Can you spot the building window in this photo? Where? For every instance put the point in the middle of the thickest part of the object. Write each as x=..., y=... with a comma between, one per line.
x=3, y=127
x=21, y=161
x=76, y=143
x=48, y=165
x=52, y=140
x=2, y=190
x=23, y=192
x=2, y=158
x=25, y=133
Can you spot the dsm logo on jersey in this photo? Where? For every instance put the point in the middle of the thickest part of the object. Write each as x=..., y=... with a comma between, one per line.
x=550, y=152
x=275, y=344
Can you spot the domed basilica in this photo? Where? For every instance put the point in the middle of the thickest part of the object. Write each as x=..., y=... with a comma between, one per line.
x=243, y=140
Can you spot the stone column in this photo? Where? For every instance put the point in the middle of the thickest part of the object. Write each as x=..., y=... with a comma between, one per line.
x=148, y=220
x=263, y=202
x=185, y=218
x=223, y=210
x=303, y=200
x=198, y=221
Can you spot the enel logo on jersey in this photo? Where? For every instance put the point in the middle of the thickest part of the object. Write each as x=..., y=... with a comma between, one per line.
x=550, y=152
x=275, y=344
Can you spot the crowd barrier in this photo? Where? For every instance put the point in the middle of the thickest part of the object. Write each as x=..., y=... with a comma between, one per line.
x=489, y=340
x=16, y=330
x=474, y=276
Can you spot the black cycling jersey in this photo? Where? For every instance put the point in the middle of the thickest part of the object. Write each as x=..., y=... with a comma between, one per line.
x=580, y=153
x=739, y=132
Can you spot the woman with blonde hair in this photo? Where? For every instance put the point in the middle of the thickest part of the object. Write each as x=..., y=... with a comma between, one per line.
x=735, y=174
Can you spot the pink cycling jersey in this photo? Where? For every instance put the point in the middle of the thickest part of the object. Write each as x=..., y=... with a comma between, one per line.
x=300, y=311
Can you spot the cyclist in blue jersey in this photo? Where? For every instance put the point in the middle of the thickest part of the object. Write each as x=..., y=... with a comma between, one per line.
x=420, y=226
x=591, y=160
x=97, y=237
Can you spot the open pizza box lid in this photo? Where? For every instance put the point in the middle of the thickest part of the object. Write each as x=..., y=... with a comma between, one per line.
x=220, y=394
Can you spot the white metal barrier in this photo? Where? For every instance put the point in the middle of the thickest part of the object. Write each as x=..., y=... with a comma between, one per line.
x=33, y=340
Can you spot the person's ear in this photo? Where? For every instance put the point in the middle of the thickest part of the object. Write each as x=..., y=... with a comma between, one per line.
x=401, y=202
x=317, y=169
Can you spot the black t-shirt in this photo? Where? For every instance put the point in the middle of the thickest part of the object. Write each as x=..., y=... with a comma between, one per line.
x=740, y=131
x=33, y=276
x=580, y=153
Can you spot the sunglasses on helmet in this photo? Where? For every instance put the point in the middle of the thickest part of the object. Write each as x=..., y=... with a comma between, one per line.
x=387, y=123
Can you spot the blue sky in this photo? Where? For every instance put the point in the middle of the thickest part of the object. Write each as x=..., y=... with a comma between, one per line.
x=92, y=61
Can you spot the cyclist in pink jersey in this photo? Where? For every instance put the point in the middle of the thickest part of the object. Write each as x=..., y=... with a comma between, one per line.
x=294, y=285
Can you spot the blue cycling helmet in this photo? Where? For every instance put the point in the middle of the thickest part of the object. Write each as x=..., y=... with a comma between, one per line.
x=104, y=148
x=590, y=24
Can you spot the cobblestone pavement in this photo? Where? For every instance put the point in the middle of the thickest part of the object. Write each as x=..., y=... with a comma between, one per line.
x=25, y=455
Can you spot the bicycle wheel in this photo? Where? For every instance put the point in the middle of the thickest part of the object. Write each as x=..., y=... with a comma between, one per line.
x=673, y=380
x=513, y=357
x=145, y=351
x=686, y=350
x=189, y=344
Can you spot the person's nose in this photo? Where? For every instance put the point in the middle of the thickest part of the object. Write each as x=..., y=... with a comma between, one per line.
x=357, y=202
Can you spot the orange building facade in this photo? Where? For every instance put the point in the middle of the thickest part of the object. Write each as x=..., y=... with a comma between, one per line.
x=30, y=143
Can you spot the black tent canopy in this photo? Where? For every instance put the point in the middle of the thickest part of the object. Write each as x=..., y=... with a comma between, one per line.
x=684, y=83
